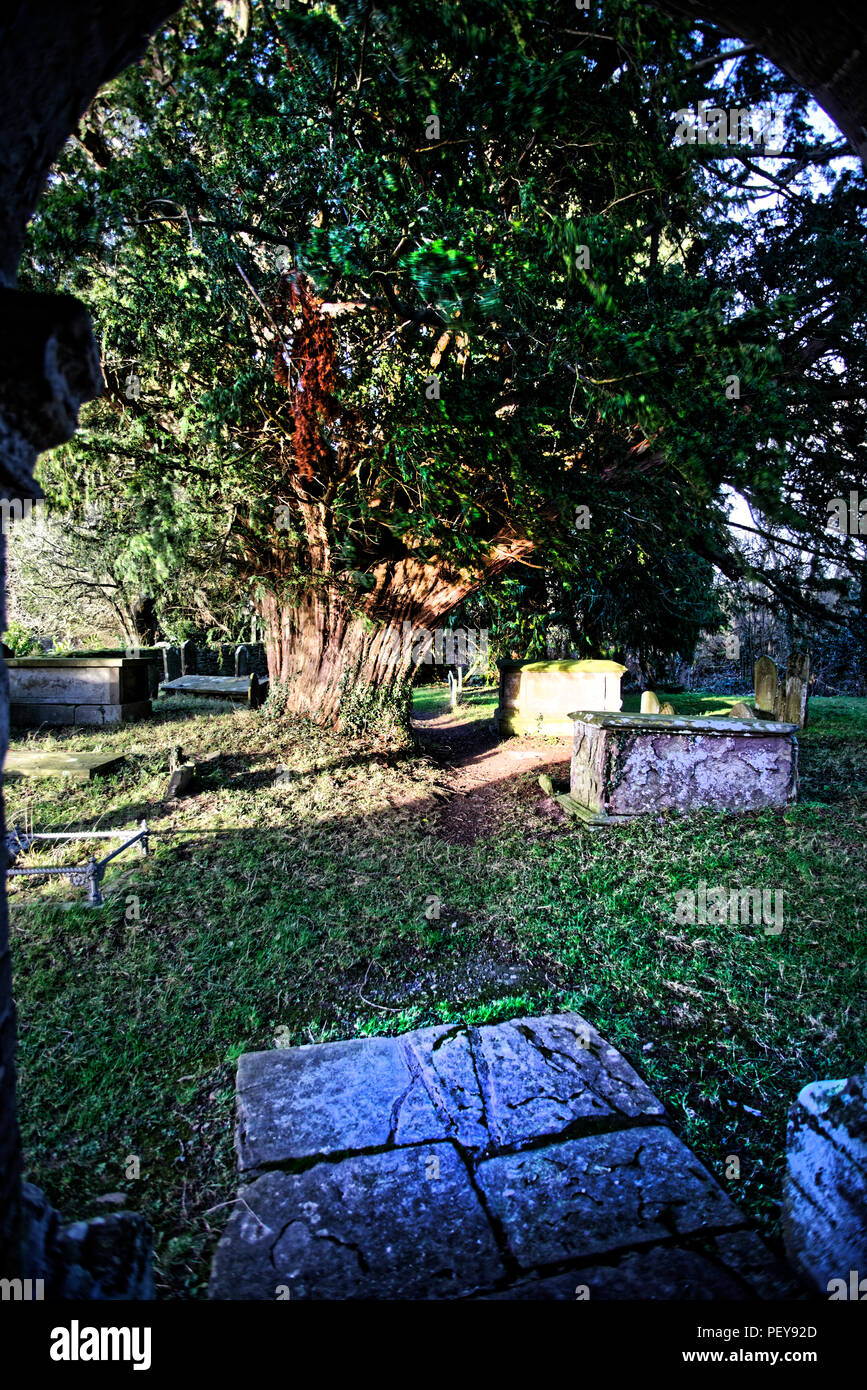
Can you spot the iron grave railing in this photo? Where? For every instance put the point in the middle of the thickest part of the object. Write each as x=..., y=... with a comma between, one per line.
x=87, y=875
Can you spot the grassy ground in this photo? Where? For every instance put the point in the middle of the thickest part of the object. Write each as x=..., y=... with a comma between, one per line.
x=477, y=702
x=304, y=919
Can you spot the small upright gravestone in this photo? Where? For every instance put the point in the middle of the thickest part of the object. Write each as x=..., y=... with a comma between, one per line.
x=667, y=708
x=171, y=663
x=791, y=703
x=766, y=677
x=242, y=661
x=649, y=703
x=188, y=659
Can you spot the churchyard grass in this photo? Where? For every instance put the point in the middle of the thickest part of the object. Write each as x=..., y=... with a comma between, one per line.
x=306, y=921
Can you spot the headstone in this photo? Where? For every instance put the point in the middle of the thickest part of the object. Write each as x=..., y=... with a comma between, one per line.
x=742, y=711
x=242, y=661
x=180, y=781
x=171, y=663
x=767, y=678
x=824, y=1196
x=667, y=708
x=649, y=702
x=791, y=705
x=546, y=784
x=188, y=659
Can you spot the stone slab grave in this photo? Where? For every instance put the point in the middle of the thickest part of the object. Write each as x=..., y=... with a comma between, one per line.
x=519, y=1160
x=249, y=689
x=626, y=765
x=80, y=767
x=152, y=655
x=77, y=690
x=536, y=696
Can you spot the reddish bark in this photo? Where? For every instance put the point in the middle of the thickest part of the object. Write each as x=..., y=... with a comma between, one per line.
x=319, y=647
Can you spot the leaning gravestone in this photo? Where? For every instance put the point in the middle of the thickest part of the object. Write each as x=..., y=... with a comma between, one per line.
x=649, y=703
x=767, y=679
x=791, y=704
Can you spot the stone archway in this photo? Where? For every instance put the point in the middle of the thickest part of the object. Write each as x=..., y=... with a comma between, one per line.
x=821, y=47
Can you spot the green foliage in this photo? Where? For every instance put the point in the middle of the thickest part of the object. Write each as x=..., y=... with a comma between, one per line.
x=20, y=639
x=381, y=710
x=209, y=175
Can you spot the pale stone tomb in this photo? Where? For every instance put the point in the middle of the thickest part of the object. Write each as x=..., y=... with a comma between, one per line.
x=536, y=696
x=77, y=690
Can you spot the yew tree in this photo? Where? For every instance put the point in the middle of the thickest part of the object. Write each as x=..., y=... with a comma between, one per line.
x=394, y=297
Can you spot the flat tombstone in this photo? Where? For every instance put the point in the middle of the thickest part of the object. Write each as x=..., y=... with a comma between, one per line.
x=767, y=678
x=649, y=703
x=81, y=767
x=242, y=661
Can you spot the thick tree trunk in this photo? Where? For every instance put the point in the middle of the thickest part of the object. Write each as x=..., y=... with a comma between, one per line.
x=322, y=652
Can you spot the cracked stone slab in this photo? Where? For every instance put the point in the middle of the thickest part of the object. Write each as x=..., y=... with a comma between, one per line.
x=447, y=1060
x=543, y=1074
x=329, y=1098
x=404, y=1224
x=606, y=1192
x=737, y=1266
x=663, y=1273
x=747, y=1253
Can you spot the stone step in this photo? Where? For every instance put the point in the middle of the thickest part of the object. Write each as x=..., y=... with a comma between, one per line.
x=489, y=1162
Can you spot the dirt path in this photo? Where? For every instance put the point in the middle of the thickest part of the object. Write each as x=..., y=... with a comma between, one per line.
x=492, y=783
